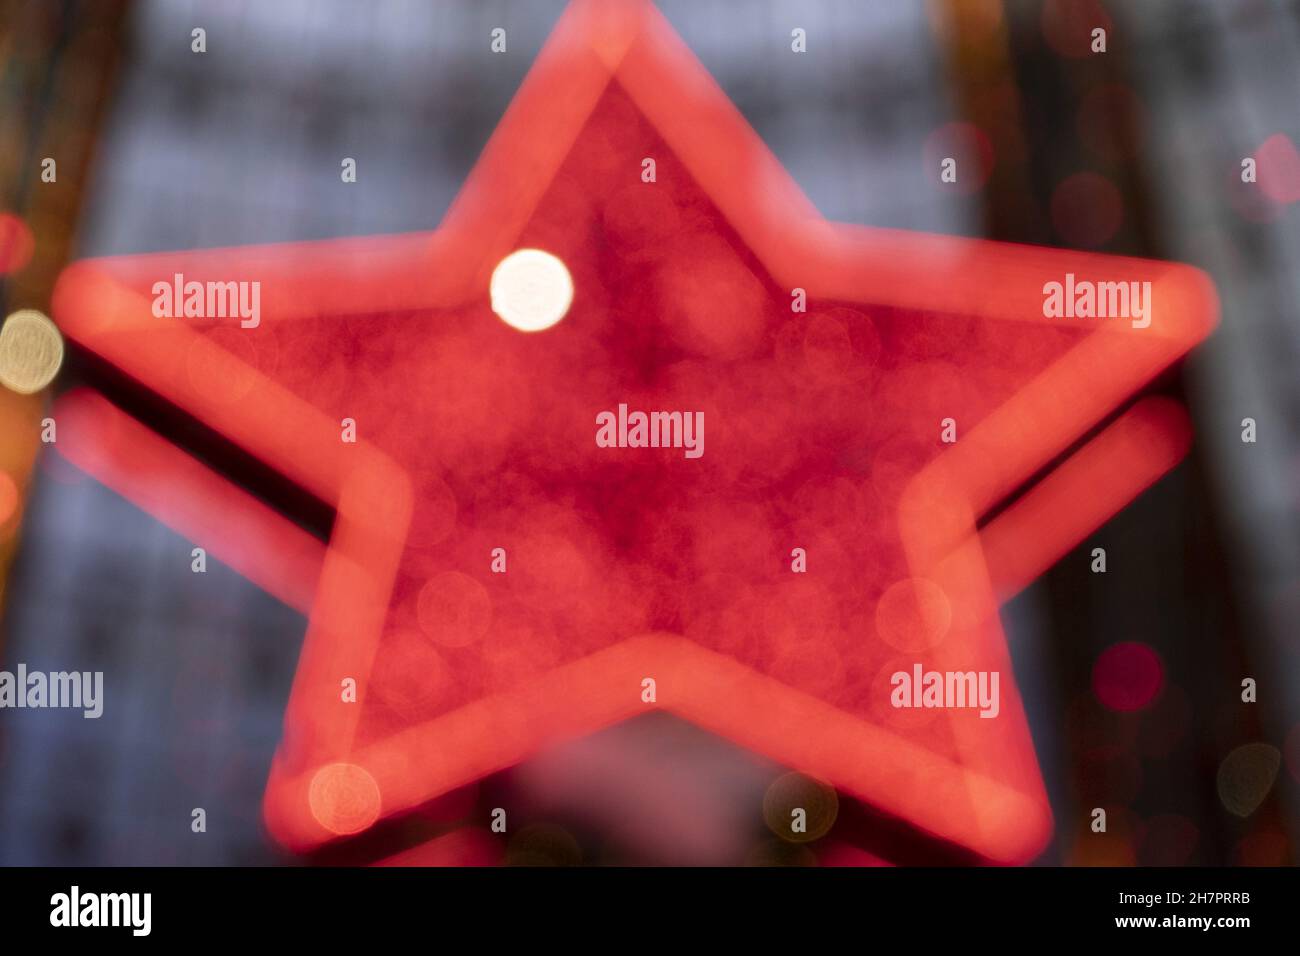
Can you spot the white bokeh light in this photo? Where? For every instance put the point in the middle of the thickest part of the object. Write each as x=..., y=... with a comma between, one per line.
x=531, y=290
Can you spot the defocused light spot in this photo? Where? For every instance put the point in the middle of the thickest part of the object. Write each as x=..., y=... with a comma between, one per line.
x=8, y=497
x=969, y=146
x=712, y=301
x=794, y=792
x=1087, y=210
x=972, y=22
x=1246, y=776
x=551, y=567
x=1249, y=201
x=1068, y=25
x=531, y=290
x=435, y=511
x=344, y=798
x=453, y=609
x=913, y=615
x=1279, y=169
x=831, y=348
x=1127, y=676
x=408, y=674
x=31, y=352
x=16, y=243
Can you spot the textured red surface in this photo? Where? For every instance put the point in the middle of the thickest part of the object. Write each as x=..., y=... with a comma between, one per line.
x=822, y=433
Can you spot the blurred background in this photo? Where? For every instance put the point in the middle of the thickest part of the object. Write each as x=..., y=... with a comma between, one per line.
x=1136, y=151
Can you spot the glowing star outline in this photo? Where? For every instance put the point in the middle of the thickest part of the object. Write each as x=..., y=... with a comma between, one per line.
x=992, y=801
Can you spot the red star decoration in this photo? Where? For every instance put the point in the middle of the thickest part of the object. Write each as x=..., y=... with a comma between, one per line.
x=822, y=433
